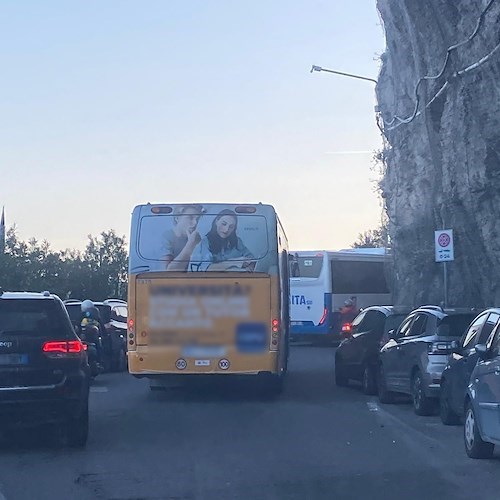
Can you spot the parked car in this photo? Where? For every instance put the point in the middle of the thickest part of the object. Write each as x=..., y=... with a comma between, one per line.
x=44, y=374
x=113, y=332
x=482, y=402
x=415, y=356
x=461, y=363
x=357, y=356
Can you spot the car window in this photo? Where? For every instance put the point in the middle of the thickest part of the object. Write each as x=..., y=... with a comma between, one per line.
x=470, y=337
x=418, y=326
x=488, y=327
x=403, y=329
x=40, y=318
x=454, y=325
x=358, y=319
x=393, y=322
x=373, y=321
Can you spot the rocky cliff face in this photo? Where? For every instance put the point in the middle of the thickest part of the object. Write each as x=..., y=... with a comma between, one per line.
x=442, y=169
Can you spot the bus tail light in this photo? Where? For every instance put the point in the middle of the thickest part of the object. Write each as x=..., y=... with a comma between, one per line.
x=275, y=329
x=325, y=315
x=131, y=333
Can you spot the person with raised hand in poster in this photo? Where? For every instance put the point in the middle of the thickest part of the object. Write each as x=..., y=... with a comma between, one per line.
x=180, y=241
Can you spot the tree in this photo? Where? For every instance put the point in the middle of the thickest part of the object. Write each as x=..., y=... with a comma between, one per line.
x=106, y=258
x=98, y=273
x=373, y=238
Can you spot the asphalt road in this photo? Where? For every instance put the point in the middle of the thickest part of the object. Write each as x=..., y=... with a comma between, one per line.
x=316, y=441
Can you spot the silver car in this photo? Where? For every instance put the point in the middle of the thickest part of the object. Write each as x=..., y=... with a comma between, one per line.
x=417, y=353
x=482, y=403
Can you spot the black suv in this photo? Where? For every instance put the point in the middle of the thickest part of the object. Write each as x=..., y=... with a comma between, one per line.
x=44, y=373
x=456, y=375
x=415, y=356
x=113, y=330
x=357, y=356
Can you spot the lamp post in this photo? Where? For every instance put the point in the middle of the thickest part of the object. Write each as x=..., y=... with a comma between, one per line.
x=342, y=73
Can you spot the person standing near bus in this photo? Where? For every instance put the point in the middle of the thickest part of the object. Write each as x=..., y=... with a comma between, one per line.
x=221, y=246
x=180, y=242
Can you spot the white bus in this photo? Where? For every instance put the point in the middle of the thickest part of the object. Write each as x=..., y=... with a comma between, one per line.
x=322, y=281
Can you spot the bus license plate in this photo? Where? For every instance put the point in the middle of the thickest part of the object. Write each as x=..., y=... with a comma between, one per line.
x=202, y=362
x=203, y=351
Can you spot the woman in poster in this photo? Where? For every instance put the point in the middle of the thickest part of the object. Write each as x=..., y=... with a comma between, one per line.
x=222, y=249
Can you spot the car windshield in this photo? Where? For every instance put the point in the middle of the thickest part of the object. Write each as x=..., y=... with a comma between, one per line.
x=454, y=325
x=31, y=317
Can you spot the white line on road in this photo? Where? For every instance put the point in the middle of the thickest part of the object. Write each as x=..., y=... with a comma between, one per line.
x=95, y=389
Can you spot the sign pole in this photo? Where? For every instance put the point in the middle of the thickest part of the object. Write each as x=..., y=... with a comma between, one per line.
x=445, y=273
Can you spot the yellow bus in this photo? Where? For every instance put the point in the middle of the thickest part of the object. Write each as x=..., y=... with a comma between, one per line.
x=208, y=293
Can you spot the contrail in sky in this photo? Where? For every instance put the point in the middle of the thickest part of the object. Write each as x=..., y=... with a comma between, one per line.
x=347, y=152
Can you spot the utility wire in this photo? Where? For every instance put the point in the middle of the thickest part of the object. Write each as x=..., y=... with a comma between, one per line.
x=416, y=113
x=446, y=84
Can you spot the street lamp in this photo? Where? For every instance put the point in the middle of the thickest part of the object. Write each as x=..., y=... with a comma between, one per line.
x=319, y=68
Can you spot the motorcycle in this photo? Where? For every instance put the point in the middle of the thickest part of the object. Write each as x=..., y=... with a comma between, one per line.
x=89, y=335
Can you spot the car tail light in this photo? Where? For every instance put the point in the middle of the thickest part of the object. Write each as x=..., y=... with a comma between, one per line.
x=63, y=348
x=439, y=348
x=325, y=315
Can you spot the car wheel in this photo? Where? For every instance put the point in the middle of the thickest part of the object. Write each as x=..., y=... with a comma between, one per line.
x=385, y=396
x=474, y=445
x=369, y=381
x=448, y=416
x=340, y=377
x=77, y=429
x=422, y=404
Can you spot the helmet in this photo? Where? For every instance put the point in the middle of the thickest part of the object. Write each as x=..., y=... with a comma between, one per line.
x=348, y=303
x=87, y=305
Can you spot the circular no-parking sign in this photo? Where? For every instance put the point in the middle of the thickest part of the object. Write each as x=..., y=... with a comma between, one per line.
x=444, y=240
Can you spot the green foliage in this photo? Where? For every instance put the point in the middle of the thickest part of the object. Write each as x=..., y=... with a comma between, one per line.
x=373, y=238
x=97, y=273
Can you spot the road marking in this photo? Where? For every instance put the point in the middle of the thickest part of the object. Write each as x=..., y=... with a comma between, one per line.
x=93, y=389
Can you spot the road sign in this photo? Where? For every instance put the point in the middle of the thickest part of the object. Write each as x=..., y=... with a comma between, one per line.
x=443, y=242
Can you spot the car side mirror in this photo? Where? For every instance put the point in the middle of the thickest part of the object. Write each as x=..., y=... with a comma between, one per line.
x=482, y=351
x=392, y=334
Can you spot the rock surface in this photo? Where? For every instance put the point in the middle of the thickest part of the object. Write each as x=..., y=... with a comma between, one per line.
x=442, y=170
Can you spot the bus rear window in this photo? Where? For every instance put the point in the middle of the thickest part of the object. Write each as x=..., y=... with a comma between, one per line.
x=358, y=277
x=305, y=267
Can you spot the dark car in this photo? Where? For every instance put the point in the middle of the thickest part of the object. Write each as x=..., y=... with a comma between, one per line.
x=482, y=402
x=357, y=356
x=113, y=327
x=44, y=374
x=413, y=360
x=461, y=363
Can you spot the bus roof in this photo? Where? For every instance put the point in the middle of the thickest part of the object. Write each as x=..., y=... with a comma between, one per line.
x=345, y=251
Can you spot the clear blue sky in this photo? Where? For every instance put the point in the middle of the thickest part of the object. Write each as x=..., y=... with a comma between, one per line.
x=107, y=104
